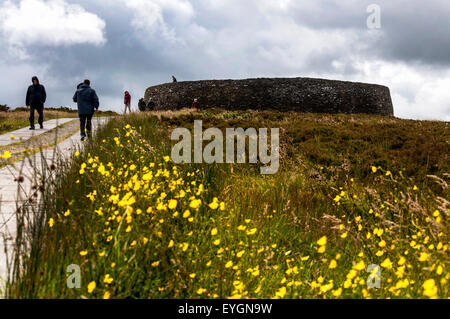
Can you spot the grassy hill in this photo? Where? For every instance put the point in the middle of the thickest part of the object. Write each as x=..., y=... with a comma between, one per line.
x=352, y=191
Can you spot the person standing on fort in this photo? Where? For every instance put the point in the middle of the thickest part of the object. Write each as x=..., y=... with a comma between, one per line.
x=127, y=102
x=87, y=101
x=35, y=100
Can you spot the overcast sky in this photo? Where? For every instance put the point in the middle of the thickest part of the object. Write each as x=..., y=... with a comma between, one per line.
x=133, y=44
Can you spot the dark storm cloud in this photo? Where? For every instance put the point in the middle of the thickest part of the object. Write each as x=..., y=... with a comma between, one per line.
x=411, y=31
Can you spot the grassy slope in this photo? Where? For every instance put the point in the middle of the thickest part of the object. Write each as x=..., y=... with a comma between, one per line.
x=264, y=241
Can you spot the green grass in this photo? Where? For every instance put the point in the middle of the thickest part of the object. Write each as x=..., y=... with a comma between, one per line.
x=18, y=118
x=113, y=213
x=10, y=121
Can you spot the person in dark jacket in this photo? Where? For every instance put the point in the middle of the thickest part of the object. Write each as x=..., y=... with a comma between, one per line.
x=88, y=103
x=141, y=105
x=174, y=79
x=151, y=105
x=35, y=100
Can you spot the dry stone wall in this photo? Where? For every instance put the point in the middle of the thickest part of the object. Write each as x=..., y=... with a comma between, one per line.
x=283, y=94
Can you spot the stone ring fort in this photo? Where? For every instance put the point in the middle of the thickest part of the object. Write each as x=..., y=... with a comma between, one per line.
x=306, y=95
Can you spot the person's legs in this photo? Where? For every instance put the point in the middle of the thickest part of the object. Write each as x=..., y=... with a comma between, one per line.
x=129, y=108
x=31, y=117
x=89, y=125
x=41, y=116
x=82, y=125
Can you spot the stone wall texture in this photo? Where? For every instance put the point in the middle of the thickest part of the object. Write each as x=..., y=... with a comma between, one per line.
x=283, y=94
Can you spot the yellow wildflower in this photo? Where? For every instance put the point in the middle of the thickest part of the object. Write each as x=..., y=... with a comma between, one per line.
x=92, y=285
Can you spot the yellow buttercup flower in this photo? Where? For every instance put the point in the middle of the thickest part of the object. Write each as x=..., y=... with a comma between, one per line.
x=305, y=258
x=195, y=203
x=91, y=286
x=200, y=291
x=386, y=264
x=333, y=264
x=423, y=257
x=186, y=214
x=6, y=154
x=322, y=241
x=215, y=204
x=281, y=292
x=360, y=265
x=337, y=292
x=172, y=204
x=108, y=279
x=429, y=289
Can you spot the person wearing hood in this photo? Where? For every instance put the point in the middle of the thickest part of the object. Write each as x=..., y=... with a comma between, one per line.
x=35, y=100
x=87, y=101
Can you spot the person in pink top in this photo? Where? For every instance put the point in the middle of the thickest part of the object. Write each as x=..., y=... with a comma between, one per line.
x=127, y=102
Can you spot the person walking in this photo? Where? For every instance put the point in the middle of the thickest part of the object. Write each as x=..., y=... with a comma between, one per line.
x=35, y=100
x=87, y=101
x=127, y=102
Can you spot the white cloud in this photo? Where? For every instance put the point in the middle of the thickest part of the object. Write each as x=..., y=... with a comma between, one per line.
x=49, y=23
x=418, y=92
x=151, y=16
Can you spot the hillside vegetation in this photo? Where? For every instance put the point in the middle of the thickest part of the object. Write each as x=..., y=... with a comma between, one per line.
x=352, y=191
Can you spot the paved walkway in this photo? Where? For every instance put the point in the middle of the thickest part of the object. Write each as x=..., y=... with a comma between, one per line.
x=13, y=194
x=25, y=133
